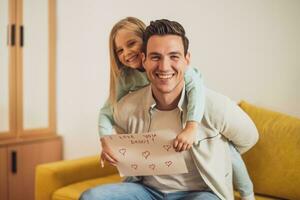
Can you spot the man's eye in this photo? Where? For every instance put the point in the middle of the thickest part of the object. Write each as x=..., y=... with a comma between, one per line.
x=174, y=57
x=155, y=58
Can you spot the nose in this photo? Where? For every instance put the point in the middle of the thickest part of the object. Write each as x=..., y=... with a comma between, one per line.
x=127, y=51
x=164, y=64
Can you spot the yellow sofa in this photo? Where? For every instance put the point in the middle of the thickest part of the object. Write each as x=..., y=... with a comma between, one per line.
x=273, y=163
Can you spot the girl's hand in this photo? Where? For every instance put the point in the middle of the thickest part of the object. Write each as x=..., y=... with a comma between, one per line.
x=186, y=138
x=106, y=154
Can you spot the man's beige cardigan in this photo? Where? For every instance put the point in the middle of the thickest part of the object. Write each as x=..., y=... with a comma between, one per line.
x=223, y=121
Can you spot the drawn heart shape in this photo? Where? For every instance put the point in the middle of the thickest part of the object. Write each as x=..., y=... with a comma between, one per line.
x=122, y=151
x=134, y=166
x=152, y=166
x=167, y=147
x=168, y=163
x=146, y=154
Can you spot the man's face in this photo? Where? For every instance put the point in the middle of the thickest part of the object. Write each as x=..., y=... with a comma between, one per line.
x=165, y=63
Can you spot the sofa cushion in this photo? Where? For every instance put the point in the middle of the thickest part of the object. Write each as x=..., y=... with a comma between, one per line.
x=73, y=191
x=257, y=197
x=52, y=176
x=273, y=163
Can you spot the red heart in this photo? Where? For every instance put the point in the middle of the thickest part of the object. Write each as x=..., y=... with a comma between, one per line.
x=134, y=166
x=122, y=151
x=167, y=147
x=168, y=163
x=152, y=166
x=146, y=154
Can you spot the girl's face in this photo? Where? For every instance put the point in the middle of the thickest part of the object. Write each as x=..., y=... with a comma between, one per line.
x=129, y=48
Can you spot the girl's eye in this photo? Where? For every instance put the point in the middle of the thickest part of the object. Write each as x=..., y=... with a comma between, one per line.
x=130, y=44
x=119, y=51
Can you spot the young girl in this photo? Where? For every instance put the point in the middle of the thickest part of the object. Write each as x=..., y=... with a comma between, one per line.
x=127, y=74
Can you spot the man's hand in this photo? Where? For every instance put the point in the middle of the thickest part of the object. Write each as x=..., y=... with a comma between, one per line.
x=186, y=138
x=106, y=154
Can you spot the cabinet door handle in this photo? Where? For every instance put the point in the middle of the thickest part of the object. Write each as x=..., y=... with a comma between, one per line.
x=14, y=162
x=7, y=35
x=21, y=35
x=13, y=35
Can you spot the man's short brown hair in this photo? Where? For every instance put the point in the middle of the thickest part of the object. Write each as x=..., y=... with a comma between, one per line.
x=165, y=27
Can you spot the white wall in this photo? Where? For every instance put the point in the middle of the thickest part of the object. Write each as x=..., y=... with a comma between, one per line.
x=245, y=49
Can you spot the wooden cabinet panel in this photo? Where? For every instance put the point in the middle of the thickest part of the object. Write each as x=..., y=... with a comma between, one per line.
x=27, y=90
x=3, y=174
x=14, y=185
x=28, y=156
x=27, y=68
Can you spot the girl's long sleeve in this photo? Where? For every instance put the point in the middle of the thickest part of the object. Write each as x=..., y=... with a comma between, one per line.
x=195, y=92
x=129, y=80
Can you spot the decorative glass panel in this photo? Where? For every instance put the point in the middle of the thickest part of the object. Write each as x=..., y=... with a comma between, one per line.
x=4, y=67
x=35, y=64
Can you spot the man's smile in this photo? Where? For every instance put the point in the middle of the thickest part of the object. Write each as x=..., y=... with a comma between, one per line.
x=164, y=75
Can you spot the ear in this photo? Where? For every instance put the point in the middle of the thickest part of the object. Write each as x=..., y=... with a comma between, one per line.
x=143, y=59
x=187, y=58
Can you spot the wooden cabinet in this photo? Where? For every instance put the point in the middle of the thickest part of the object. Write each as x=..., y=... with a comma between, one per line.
x=3, y=174
x=27, y=94
x=18, y=162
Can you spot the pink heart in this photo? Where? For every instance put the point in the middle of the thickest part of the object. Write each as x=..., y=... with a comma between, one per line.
x=152, y=166
x=168, y=163
x=122, y=151
x=167, y=147
x=146, y=154
x=134, y=166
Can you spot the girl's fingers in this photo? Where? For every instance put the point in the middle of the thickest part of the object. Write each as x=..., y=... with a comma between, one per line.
x=184, y=147
x=179, y=146
x=102, y=159
x=101, y=162
x=175, y=143
x=109, y=158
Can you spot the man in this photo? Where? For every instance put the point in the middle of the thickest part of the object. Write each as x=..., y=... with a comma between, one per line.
x=162, y=105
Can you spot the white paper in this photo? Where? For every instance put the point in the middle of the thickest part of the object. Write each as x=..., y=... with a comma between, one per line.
x=147, y=154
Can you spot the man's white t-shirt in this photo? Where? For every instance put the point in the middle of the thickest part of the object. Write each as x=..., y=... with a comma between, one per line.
x=191, y=181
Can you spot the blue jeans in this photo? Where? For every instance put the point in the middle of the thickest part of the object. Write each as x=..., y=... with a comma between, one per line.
x=138, y=191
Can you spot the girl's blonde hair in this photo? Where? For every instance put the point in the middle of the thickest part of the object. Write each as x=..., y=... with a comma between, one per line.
x=137, y=27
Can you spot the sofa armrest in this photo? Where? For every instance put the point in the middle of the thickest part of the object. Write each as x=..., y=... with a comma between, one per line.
x=49, y=177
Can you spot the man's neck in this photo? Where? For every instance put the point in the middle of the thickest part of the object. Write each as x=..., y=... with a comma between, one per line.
x=168, y=101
